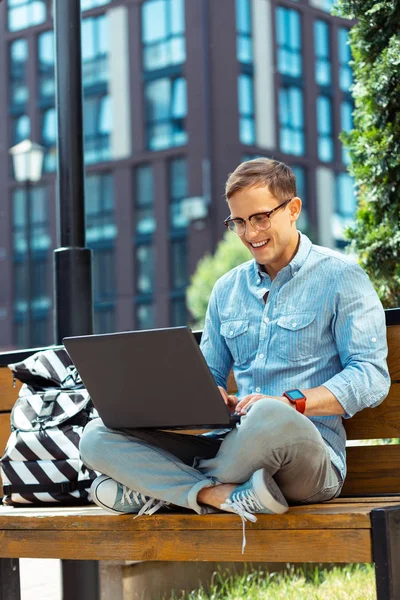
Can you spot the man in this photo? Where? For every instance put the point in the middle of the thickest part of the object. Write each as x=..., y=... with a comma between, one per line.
x=305, y=333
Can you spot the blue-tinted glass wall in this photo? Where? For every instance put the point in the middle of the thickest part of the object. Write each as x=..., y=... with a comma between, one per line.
x=19, y=92
x=97, y=104
x=31, y=267
x=246, y=75
x=144, y=248
x=163, y=55
x=290, y=69
x=178, y=224
x=323, y=78
x=101, y=233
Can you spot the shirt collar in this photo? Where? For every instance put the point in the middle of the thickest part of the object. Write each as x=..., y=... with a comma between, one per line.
x=295, y=264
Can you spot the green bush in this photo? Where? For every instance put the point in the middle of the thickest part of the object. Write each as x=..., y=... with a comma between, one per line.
x=374, y=143
x=230, y=253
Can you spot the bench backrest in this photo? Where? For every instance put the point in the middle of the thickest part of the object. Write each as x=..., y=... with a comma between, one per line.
x=372, y=469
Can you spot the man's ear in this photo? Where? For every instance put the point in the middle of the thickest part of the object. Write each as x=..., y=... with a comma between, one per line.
x=295, y=208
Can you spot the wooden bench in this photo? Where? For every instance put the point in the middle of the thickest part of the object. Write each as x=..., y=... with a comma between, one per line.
x=363, y=525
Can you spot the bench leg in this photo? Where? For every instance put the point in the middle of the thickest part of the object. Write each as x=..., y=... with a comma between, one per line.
x=9, y=579
x=80, y=580
x=386, y=551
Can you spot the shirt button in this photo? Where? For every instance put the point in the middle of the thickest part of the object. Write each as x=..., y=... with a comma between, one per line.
x=294, y=324
x=373, y=339
x=261, y=355
x=231, y=333
x=266, y=320
x=294, y=273
x=258, y=389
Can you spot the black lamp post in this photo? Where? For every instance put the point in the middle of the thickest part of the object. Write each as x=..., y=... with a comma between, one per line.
x=28, y=163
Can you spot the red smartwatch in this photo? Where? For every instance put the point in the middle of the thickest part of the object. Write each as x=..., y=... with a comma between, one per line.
x=298, y=398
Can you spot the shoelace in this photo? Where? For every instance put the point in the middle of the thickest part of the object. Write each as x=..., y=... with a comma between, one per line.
x=150, y=505
x=242, y=504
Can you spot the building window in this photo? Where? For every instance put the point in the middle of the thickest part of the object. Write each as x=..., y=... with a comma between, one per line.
x=21, y=128
x=244, y=32
x=101, y=233
x=288, y=35
x=97, y=126
x=291, y=119
x=95, y=49
x=166, y=110
x=163, y=34
x=19, y=92
x=345, y=73
x=346, y=117
x=31, y=258
x=303, y=222
x=323, y=70
x=178, y=191
x=49, y=139
x=346, y=203
x=97, y=114
x=346, y=206
x=246, y=109
x=247, y=134
x=144, y=203
x=144, y=247
x=25, y=13
x=163, y=43
x=290, y=93
x=87, y=4
x=324, y=128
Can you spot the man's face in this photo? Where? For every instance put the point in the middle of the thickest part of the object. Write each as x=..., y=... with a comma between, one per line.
x=280, y=241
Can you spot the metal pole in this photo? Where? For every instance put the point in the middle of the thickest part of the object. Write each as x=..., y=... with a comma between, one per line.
x=29, y=263
x=72, y=261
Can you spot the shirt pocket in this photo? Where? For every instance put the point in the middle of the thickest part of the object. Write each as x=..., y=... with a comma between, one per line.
x=296, y=337
x=234, y=333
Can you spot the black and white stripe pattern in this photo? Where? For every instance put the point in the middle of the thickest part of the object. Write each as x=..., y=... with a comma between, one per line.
x=47, y=422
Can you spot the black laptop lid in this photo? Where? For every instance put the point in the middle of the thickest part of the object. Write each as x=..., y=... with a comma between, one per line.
x=154, y=378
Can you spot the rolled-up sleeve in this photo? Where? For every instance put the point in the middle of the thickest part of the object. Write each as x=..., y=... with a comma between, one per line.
x=359, y=330
x=213, y=346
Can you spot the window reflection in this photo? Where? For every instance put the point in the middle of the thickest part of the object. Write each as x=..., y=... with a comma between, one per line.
x=25, y=13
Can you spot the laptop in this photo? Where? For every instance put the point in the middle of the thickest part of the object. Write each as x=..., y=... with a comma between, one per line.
x=152, y=378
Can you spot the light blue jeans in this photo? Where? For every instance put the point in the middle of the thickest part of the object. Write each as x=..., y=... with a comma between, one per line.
x=174, y=467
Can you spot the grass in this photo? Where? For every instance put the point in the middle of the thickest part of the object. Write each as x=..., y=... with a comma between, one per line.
x=351, y=582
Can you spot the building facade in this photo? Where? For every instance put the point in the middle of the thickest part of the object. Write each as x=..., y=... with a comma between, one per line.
x=176, y=94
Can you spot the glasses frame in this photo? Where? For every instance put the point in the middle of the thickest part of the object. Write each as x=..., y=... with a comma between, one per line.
x=267, y=213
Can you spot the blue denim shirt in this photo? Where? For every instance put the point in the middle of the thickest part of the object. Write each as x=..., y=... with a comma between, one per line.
x=322, y=324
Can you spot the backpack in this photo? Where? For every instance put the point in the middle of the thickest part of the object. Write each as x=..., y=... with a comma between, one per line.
x=41, y=462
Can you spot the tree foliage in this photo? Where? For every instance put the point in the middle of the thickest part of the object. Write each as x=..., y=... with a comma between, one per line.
x=230, y=253
x=374, y=143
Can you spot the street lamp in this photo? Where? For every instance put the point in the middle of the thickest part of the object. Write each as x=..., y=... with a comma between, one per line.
x=27, y=160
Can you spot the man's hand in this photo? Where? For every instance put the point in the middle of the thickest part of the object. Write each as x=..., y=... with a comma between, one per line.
x=230, y=401
x=247, y=401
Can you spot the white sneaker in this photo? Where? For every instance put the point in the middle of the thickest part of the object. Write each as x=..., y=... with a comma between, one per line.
x=118, y=499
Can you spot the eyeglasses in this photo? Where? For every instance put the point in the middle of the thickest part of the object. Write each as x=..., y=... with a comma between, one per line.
x=260, y=221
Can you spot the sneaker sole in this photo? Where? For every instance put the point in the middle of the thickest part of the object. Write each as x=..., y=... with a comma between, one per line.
x=269, y=493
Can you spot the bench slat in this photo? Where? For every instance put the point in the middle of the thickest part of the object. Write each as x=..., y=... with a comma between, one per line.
x=319, y=545
x=341, y=514
x=393, y=339
x=372, y=470
x=376, y=423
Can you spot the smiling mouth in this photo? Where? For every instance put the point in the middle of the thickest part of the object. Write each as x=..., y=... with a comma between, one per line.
x=258, y=244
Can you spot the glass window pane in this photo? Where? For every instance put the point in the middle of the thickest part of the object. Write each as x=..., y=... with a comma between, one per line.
x=154, y=20
x=243, y=16
x=145, y=317
x=346, y=198
x=144, y=269
x=177, y=16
